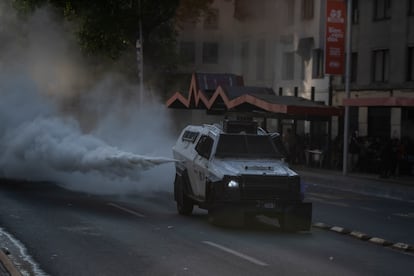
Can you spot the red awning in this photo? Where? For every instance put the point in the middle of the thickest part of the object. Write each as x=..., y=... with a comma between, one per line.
x=226, y=93
x=380, y=101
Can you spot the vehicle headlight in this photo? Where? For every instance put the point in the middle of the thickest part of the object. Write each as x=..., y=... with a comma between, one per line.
x=233, y=184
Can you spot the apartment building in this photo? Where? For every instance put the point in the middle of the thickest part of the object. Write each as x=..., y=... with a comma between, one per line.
x=280, y=44
x=382, y=64
x=271, y=43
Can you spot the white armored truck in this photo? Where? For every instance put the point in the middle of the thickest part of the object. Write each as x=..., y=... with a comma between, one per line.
x=237, y=171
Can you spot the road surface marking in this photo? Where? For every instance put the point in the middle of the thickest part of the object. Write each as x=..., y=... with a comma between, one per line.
x=126, y=210
x=404, y=215
x=340, y=204
x=325, y=196
x=235, y=253
x=368, y=209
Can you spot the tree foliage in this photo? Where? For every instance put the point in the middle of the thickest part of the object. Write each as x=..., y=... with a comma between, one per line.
x=110, y=28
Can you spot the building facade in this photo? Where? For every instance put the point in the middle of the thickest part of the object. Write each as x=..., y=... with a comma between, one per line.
x=280, y=44
x=271, y=43
x=382, y=65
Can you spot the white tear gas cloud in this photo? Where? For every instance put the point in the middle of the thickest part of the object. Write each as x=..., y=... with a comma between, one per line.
x=59, y=124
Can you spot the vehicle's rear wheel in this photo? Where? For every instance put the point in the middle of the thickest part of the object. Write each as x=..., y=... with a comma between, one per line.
x=290, y=223
x=285, y=225
x=296, y=218
x=184, y=204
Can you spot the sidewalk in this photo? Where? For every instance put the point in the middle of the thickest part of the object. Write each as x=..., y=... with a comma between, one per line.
x=400, y=187
x=7, y=268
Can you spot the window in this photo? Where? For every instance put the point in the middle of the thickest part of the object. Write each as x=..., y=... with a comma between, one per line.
x=241, y=9
x=290, y=12
x=354, y=67
x=288, y=66
x=379, y=122
x=355, y=11
x=317, y=63
x=247, y=146
x=381, y=62
x=260, y=62
x=245, y=58
x=187, y=24
x=382, y=9
x=204, y=146
x=187, y=52
x=246, y=10
x=211, y=21
x=410, y=7
x=210, y=52
x=410, y=64
x=189, y=136
x=307, y=9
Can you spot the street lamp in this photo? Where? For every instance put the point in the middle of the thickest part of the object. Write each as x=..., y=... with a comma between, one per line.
x=347, y=88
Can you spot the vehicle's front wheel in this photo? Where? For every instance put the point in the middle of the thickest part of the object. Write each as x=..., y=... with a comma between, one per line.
x=184, y=204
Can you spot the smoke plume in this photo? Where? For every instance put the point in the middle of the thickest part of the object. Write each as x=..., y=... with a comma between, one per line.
x=59, y=122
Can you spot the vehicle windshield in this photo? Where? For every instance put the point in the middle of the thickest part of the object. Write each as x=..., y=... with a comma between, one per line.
x=246, y=146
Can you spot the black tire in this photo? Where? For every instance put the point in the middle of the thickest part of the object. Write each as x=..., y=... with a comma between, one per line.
x=250, y=220
x=289, y=223
x=285, y=226
x=184, y=204
x=296, y=218
x=215, y=217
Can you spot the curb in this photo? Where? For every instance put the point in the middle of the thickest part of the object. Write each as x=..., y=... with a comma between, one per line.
x=365, y=237
x=358, y=184
x=380, y=241
x=340, y=230
x=360, y=235
x=7, y=263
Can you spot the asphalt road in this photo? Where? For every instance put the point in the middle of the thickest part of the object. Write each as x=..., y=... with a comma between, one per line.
x=60, y=232
x=392, y=220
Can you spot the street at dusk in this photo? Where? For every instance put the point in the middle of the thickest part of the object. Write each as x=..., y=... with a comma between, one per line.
x=141, y=234
x=206, y=137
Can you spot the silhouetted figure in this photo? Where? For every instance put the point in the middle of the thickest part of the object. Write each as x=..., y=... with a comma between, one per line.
x=386, y=159
x=289, y=140
x=354, y=150
x=396, y=157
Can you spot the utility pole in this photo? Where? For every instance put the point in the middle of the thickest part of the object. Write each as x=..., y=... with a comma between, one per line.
x=347, y=85
x=140, y=57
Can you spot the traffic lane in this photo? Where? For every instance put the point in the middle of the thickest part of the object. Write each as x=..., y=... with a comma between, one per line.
x=389, y=219
x=69, y=235
x=66, y=241
x=309, y=252
x=85, y=232
x=59, y=237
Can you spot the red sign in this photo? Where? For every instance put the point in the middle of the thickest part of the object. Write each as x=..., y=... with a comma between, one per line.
x=335, y=37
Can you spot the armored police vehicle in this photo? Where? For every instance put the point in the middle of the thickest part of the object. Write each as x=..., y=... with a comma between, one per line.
x=237, y=171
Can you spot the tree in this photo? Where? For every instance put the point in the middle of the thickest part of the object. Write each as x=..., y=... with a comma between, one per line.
x=109, y=28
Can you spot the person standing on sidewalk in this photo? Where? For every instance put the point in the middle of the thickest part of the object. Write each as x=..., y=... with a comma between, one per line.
x=386, y=159
x=354, y=150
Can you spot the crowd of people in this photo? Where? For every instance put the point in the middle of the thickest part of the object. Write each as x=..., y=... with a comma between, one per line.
x=383, y=156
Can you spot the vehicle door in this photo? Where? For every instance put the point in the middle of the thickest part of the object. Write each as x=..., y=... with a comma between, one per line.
x=199, y=170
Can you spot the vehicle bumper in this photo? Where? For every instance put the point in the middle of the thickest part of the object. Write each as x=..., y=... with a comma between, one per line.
x=297, y=214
